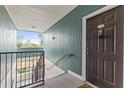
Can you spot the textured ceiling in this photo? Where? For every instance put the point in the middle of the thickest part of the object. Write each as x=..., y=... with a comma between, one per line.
x=37, y=17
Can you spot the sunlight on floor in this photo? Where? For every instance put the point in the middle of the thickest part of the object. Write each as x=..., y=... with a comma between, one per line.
x=53, y=72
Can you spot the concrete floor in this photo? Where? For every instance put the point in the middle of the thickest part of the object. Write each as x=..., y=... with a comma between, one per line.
x=53, y=72
x=57, y=78
x=62, y=81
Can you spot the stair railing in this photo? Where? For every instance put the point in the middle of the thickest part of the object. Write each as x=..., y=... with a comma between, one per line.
x=70, y=55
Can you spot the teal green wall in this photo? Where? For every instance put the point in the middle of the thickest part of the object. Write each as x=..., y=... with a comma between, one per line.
x=7, y=39
x=7, y=32
x=68, y=38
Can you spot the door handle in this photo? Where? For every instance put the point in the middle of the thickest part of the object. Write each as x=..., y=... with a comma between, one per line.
x=87, y=50
x=100, y=30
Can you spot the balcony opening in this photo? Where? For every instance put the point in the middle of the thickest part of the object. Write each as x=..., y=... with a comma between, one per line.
x=28, y=66
x=29, y=40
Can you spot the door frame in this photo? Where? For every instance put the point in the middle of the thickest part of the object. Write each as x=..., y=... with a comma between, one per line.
x=84, y=19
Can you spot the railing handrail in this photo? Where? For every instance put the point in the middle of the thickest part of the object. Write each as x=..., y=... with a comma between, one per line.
x=12, y=69
x=19, y=52
x=57, y=62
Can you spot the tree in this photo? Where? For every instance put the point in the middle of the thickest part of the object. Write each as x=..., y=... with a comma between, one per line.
x=41, y=39
x=19, y=41
x=34, y=45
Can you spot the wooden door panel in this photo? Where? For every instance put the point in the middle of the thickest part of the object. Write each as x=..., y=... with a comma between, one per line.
x=105, y=51
x=109, y=72
x=110, y=39
x=94, y=67
x=94, y=41
x=110, y=16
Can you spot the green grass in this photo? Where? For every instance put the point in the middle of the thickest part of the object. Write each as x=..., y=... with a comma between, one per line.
x=22, y=70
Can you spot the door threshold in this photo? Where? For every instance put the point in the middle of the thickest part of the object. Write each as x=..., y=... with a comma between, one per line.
x=91, y=84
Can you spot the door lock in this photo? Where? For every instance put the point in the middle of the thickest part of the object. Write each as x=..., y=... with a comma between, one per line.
x=86, y=50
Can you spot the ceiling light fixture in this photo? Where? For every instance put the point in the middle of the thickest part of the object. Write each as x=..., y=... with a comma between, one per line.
x=33, y=26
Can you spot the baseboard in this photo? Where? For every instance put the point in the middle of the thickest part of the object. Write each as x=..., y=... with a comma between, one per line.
x=75, y=75
x=69, y=71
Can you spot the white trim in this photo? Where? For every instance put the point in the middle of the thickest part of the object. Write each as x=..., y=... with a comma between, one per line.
x=84, y=19
x=75, y=75
x=97, y=12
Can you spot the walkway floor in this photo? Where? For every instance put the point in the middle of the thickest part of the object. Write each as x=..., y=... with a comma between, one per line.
x=26, y=78
x=54, y=71
x=62, y=81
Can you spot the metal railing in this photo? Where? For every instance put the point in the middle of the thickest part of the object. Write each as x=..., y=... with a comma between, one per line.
x=70, y=55
x=21, y=69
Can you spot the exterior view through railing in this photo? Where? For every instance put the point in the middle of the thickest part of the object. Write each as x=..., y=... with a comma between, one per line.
x=20, y=69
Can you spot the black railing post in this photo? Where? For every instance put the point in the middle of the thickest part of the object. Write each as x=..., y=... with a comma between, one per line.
x=43, y=66
x=36, y=74
x=11, y=71
x=25, y=68
x=16, y=72
x=6, y=71
x=15, y=75
x=0, y=70
x=33, y=69
x=29, y=68
x=21, y=71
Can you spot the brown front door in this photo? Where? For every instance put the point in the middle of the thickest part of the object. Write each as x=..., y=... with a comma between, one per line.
x=104, y=44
